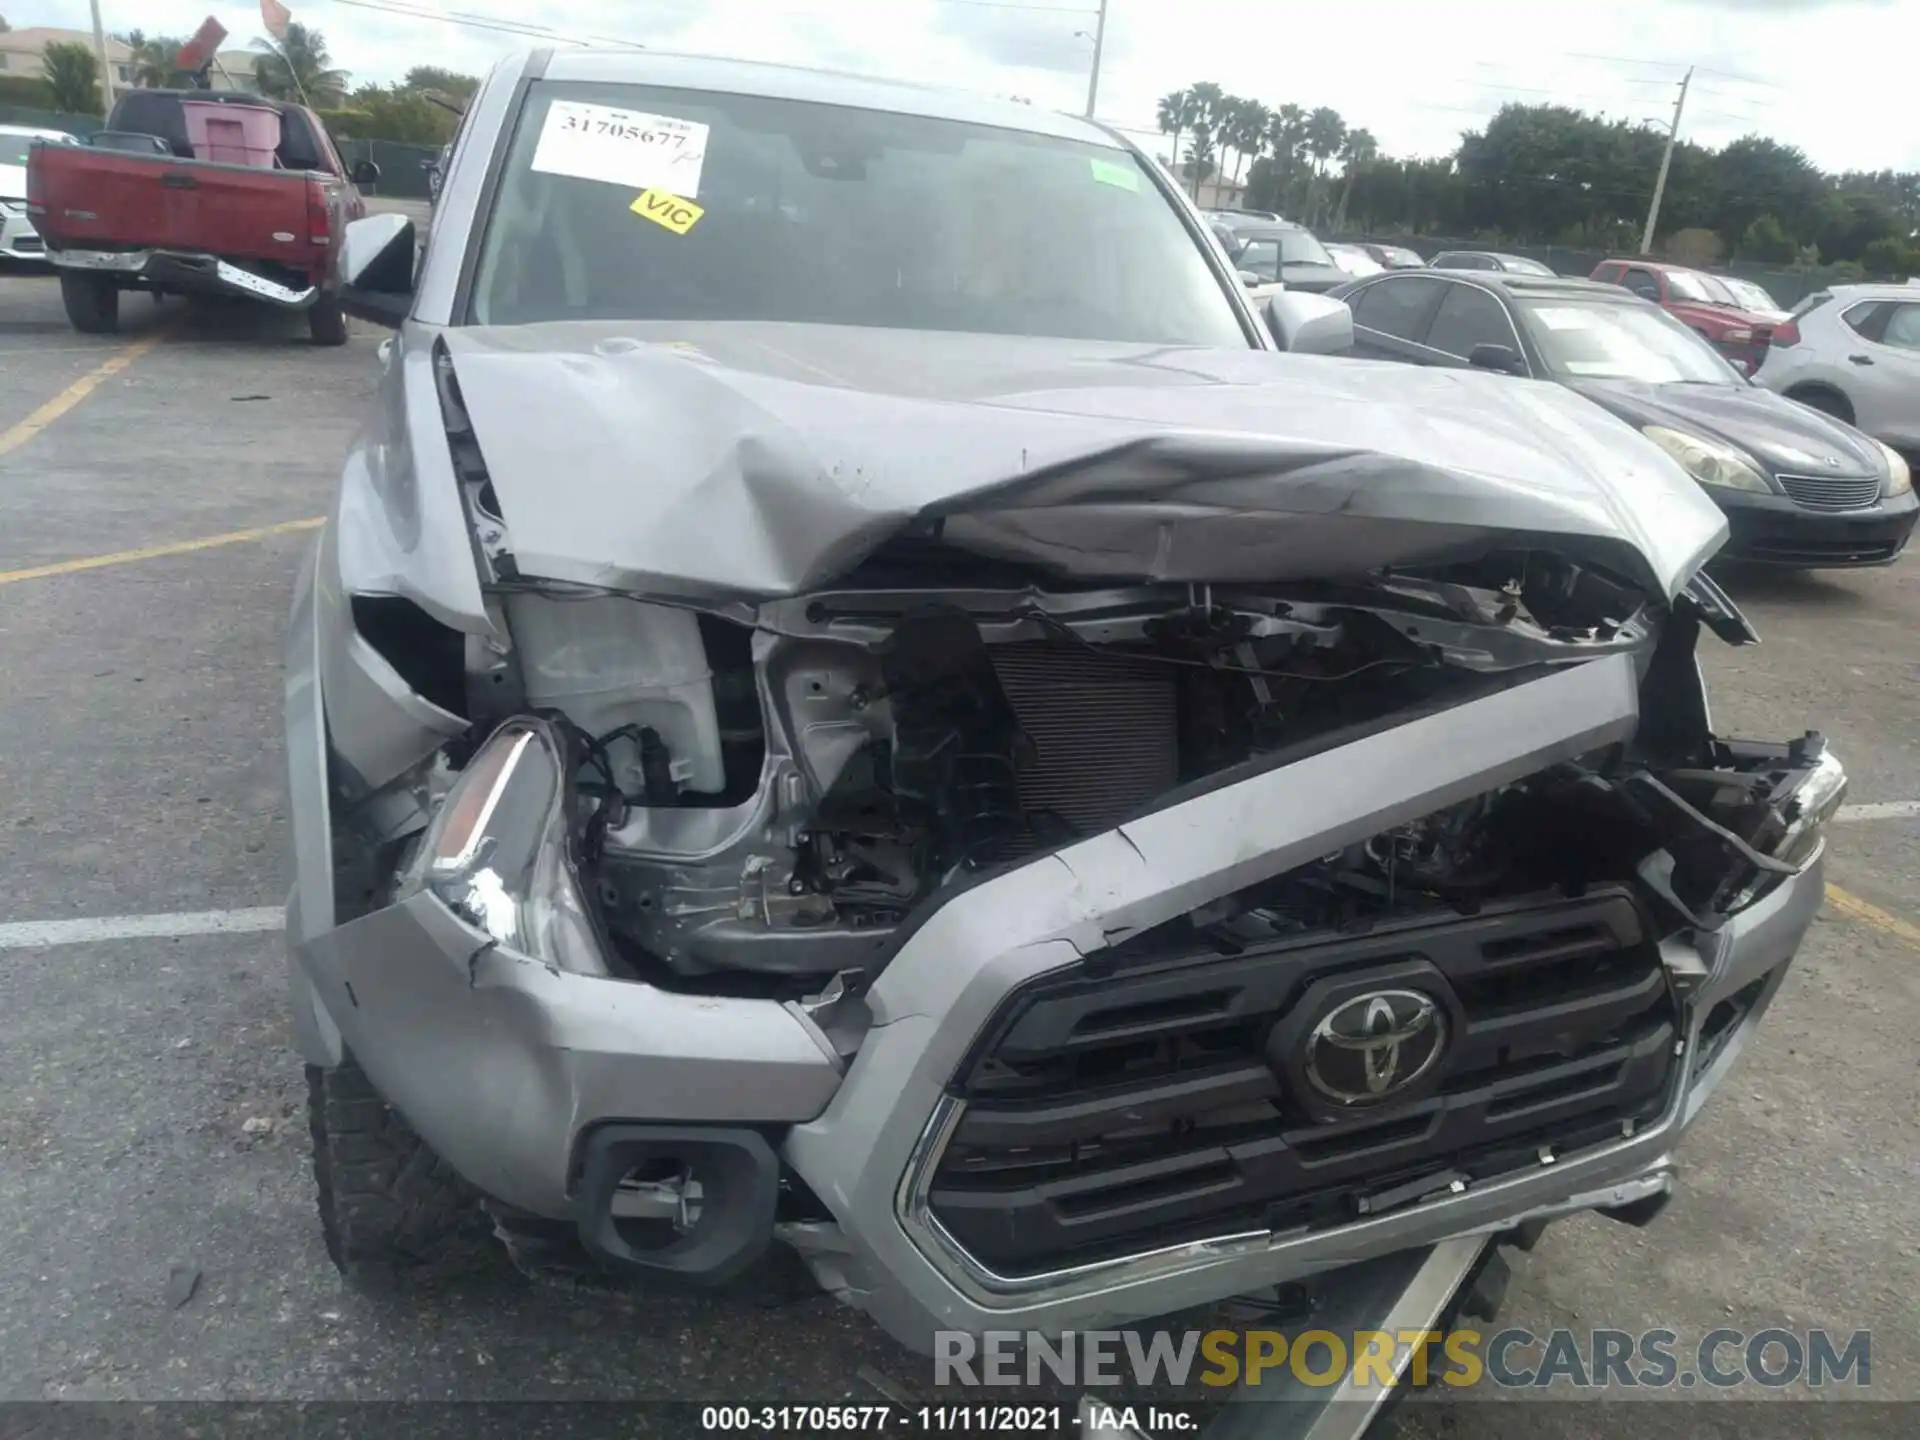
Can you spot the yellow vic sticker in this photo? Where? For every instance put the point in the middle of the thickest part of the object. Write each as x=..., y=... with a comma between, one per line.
x=667, y=209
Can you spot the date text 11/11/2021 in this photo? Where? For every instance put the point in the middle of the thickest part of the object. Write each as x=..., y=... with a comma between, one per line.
x=885, y=1419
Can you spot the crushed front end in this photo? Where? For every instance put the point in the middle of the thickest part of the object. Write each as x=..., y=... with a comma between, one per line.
x=1049, y=956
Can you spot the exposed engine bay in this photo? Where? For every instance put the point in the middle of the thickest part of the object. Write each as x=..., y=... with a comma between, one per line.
x=770, y=794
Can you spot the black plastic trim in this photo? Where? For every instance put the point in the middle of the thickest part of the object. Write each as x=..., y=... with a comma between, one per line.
x=740, y=1190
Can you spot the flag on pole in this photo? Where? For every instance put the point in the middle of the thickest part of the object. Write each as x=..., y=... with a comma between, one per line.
x=276, y=17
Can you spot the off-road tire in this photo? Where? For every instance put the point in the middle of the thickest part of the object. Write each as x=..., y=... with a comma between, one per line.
x=92, y=301
x=327, y=322
x=395, y=1215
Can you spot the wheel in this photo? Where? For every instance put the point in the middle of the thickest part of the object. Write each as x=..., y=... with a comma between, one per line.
x=394, y=1214
x=92, y=301
x=1827, y=402
x=327, y=322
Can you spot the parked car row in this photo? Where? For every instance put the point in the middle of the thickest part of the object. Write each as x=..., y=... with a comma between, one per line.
x=1798, y=487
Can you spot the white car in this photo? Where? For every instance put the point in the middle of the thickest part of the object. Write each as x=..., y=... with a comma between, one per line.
x=18, y=239
x=1853, y=351
x=1355, y=261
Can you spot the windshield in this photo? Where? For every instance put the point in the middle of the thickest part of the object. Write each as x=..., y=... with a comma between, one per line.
x=1692, y=285
x=623, y=202
x=1265, y=254
x=1622, y=342
x=1748, y=295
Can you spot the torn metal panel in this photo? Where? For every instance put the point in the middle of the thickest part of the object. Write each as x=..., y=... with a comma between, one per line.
x=766, y=459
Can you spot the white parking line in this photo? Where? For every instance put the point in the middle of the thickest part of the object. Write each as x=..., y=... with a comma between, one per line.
x=1891, y=810
x=37, y=934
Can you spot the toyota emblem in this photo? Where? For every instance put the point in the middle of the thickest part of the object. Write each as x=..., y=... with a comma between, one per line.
x=1376, y=1046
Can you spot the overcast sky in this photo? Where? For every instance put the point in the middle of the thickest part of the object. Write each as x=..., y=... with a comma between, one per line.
x=1831, y=76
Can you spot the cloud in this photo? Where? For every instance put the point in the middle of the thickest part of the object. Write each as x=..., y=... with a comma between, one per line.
x=1827, y=76
x=1022, y=39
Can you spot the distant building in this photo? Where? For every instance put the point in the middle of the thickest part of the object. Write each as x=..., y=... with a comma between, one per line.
x=235, y=70
x=22, y=52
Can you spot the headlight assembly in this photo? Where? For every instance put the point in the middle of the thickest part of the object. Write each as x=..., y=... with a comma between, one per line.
x=1899, y=473
x=499, y=850
x=1708, y=461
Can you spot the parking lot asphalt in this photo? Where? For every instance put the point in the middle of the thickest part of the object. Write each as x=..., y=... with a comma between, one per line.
x=151, y=1103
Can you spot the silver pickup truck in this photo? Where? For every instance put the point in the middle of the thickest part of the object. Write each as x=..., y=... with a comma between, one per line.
x=858, y=698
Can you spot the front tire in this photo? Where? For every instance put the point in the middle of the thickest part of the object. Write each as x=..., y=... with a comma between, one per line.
x=92, y=301
x=327, y=322
x=1827, y=402
x=394, y=1214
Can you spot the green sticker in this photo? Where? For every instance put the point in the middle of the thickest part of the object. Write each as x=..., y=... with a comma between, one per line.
x=1108, y=173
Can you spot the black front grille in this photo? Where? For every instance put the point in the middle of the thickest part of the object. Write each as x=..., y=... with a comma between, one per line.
x=1832, y=493
x=1108, y=1115
x=1790, y=550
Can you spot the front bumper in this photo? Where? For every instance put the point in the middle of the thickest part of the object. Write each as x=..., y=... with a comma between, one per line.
x=1772, y=530
x=508, y=1066
x=18, y=239
x=187, y=273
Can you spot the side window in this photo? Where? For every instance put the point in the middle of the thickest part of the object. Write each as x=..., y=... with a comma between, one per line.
x=1260, y=257
x=1400, y=308
x=1868, y=320
x=1903, y=328
x=1607, y=274
x=1469, y=316
x=1642, y=282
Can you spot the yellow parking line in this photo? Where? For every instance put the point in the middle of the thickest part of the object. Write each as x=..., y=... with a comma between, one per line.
x=154, y=552
x=17, y=435
x=1873, y=915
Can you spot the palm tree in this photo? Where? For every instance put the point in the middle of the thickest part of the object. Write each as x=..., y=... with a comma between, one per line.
x=1326, y=133
x=1286, y=132
x=1208, y=111
x=153, y=58
x=1360, y=149
x=1174, y=116
x=1250, y=132
x=300, y=68
x=72, y=75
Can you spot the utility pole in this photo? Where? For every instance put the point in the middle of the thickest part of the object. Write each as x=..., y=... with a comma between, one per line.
x=1099, y=42
x=1666, y=159
x=106, y=67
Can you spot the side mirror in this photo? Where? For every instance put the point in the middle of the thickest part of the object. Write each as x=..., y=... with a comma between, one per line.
x=1502, y=358
x=376, y=268
x=1310, y=324
x=1648, y=292
x=364, y=172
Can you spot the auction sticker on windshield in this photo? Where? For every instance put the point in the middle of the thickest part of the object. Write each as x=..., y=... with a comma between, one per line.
x=622, y=147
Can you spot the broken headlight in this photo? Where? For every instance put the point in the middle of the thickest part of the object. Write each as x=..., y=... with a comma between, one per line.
x=499, y=852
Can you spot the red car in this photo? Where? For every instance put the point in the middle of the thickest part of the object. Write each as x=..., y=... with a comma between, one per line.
x=1697, y=299
x=137, y=209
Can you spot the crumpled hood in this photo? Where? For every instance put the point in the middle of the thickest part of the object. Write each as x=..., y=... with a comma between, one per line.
x=767, y=459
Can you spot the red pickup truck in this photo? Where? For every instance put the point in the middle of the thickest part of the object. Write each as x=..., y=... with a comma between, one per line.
x=1698, y=300
x=135, y=210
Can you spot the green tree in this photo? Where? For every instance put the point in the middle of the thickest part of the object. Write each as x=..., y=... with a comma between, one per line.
x=1249, y=132
x=72, y=75
x=1359, y=149
x=448, y=84
x=1756, y=176
x=393, y=112
x=1286, y=139
x=1174, y=115
x=1764, y=239
x=1326, y=133
x=299, y=68
x=153, y=56
x=1889, y=256
x=1209, y=110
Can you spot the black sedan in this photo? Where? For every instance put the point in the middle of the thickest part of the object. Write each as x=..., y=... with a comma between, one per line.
x=1283, y=253
x=1798, y=487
